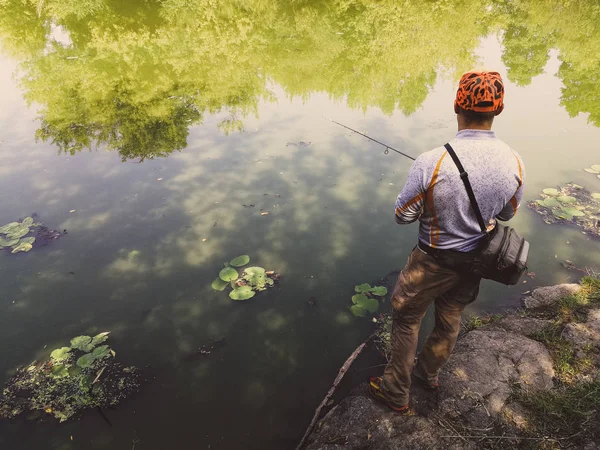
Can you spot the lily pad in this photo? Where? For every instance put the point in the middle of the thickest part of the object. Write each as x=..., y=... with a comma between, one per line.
x=370, y=304
x=17, y=232
x=573, y=212
x=240, y=261
x=22, y=247
x=99, y=338
x=242, y=293
x=567, y=199
x=596, y=167
x=60, y=354
x=361, y=288
x=8, y=243
x=59, y=371
x=28, y=221
x=218, y=284
x=86, y=361
x=228, y=274
x=101, y=352
x=561, y=214
x=356, y=299
x=591, y=171
x=551, y=202
x=358, y=311
x=379, y=291
x=81, y=343
x=9, y=227
x=551, y=191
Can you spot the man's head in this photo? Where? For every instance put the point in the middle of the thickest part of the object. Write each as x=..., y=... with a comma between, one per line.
x=479, y=98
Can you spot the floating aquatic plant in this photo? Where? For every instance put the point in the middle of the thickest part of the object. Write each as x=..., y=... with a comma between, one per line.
x=572, y=204
x=363, y=300
x=84, y=375
x=362, y=288
x=240, y=261
x=242, y=293
x=256, y=278
x=228, y=274
x=358, y=311
x=551, y=191
x=595, y=169
x=244, y=286
x=379, y=291
x=218, y=284
x=13, y=235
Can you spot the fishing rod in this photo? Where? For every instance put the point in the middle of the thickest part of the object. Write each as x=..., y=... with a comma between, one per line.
x=387, y=147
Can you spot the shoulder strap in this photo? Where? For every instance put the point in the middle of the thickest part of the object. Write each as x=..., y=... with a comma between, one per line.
x=465, y=177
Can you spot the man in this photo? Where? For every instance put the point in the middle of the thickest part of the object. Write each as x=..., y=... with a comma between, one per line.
x=438, y=270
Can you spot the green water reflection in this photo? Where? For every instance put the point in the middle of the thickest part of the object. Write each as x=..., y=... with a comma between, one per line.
x=134, y=76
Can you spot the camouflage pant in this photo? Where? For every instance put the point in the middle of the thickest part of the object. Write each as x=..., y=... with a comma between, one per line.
x=444, y=280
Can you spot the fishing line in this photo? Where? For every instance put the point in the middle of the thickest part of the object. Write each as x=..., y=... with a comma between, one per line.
x=387, y=147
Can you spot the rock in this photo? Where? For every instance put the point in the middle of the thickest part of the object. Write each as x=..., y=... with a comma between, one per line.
x=519, y=325
x=545, y=296
x=477, y=380
x=585, y=337
x=358, y=423
x=475, y=393
x=474, y=388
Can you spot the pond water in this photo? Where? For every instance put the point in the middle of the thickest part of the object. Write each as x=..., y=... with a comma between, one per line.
x=143, y=128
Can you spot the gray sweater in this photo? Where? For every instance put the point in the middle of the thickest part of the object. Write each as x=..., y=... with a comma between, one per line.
x=435, y=194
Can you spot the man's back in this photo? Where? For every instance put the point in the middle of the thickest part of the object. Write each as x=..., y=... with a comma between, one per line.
x=435, y=194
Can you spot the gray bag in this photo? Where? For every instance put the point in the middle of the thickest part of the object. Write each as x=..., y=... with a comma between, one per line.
x=503, y=257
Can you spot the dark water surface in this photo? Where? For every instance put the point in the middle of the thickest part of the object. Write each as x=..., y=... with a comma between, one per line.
x=214, y=100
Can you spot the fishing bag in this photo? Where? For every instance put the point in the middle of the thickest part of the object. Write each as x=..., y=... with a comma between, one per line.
x=503, y=257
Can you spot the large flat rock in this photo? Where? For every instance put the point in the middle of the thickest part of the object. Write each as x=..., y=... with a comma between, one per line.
x=474, y=389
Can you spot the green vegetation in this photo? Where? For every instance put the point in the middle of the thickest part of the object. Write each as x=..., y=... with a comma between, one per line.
x=571, y=408
x=13, y=235
x=82, y=376
x=562, y=412
x=135, y=76
x=364, y=302
x=251, y=281
x=383, y=335
x=256, y=278
x=572, y=204
x=473, y=321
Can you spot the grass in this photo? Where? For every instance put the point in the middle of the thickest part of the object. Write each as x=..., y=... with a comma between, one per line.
x=572, y=409
x=563, y=411
x=473, y=322
x=567, y=367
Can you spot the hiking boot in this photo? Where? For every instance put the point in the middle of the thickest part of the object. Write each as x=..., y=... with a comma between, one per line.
x=377, y=394
x=431, y=386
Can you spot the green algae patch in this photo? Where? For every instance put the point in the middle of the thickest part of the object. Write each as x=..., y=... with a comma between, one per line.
x=73, y=379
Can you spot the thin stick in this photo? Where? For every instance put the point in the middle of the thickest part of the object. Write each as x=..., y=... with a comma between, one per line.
x=387, y=147
x=98, y=376
x=500, y=437
x=367, y=368
x=337, y=380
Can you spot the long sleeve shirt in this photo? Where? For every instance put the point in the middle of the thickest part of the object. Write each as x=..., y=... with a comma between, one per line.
x=435, y=194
